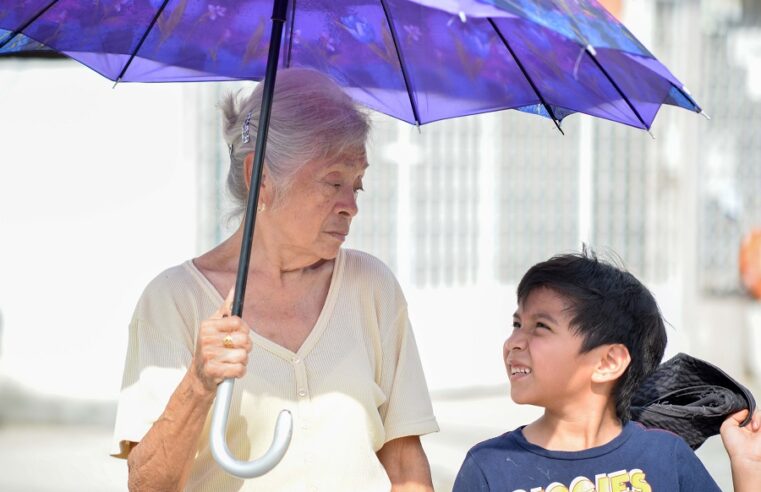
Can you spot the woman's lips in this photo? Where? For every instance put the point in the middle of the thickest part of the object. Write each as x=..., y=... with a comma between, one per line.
x=338, y=235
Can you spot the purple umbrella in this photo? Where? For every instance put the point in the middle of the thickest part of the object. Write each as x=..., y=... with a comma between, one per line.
x=418, y=63
x=417, y=60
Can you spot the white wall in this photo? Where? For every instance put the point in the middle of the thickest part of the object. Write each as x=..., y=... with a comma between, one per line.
x=97, y=195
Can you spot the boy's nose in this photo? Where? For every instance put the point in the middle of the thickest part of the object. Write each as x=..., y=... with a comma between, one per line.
x=516, y=341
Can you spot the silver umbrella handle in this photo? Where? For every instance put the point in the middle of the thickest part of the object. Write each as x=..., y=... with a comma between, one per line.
x=218, y=444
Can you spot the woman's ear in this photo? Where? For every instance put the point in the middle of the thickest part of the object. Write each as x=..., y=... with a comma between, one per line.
x=265, y=186
x=248, y=168
x=613, y=361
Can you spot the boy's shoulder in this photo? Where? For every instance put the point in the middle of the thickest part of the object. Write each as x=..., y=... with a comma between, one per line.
x=654, y=458
x=504, y=443
x=632, y=433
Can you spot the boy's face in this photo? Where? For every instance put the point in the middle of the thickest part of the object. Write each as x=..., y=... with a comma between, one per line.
x=542, y=355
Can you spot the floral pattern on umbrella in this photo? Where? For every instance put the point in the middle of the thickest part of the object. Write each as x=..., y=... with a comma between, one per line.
x=404, y=58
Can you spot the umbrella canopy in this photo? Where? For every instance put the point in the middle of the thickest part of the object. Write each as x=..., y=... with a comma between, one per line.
x=416, y=60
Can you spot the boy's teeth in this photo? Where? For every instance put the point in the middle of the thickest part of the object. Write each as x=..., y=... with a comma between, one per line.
x=521, y=370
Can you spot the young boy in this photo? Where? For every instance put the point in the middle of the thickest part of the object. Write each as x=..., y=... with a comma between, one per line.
x=585, y=335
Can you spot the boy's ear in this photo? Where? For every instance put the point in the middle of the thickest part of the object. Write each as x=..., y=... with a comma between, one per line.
x=613, y=361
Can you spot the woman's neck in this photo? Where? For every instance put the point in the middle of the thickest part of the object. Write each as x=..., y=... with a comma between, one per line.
x=268, y=258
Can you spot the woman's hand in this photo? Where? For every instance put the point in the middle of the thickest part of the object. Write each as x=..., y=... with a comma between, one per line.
x=163, y=458
x=743, y=445
x=222, y=347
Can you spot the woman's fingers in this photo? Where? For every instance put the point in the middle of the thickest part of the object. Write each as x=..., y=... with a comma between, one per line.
x=226, y=308
x=222, y=346
x=218, y=371
x=225, y=334
x=235, y=339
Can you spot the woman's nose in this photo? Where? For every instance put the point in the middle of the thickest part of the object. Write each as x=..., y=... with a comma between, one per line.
x=347, y=203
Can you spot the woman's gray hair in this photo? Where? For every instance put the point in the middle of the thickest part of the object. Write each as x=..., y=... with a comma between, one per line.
x=312, y=118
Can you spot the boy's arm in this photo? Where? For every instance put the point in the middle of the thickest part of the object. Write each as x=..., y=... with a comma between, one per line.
x=743, y=446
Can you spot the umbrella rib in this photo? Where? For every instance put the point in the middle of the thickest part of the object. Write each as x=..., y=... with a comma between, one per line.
x=402, y=65
x=683, y=91
x=28, y=23
x=142, y=40
x=525, y=74
x=287, y=61
x=593, y=55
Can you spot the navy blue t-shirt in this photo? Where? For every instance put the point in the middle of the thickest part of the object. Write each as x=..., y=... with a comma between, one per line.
x=637, y=460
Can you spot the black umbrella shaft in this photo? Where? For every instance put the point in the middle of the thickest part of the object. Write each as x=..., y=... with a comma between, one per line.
x=278, y=19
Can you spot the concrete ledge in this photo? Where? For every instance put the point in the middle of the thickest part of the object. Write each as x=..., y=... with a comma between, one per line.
x=21, y=405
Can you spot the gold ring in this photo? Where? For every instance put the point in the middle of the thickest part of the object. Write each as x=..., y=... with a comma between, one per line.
x=228, y=341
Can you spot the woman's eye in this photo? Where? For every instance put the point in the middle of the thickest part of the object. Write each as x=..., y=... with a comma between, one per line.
x=542, y=325
x=516, y=325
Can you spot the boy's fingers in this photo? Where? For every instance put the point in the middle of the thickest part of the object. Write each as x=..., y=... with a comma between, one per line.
x=741, y=416
x=755, y=422
x=737, y=418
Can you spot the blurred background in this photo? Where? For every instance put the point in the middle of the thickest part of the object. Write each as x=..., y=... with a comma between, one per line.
x=102, y=189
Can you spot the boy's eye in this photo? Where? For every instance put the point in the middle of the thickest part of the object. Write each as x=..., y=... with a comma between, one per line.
x=516, y=325
x=542, y=325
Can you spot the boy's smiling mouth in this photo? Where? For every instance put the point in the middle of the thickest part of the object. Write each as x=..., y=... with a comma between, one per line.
x=519, y=371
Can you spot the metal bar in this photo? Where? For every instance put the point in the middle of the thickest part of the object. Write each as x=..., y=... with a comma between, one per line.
x=402, y=65
x=142, y=40
x=287, y=61
x=525, y=74
x=593, y=55
x=28, y=23
x=278, y=19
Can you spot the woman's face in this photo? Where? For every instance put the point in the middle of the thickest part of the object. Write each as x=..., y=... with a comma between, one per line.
x=314, y=214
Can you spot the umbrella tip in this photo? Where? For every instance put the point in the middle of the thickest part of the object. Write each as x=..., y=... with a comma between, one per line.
x=116, y=82
x=557, y=125
x=463, y=17
x=704, y=114
x=650, y=133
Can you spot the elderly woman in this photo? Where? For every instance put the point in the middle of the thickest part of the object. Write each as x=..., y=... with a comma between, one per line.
x=325, y=331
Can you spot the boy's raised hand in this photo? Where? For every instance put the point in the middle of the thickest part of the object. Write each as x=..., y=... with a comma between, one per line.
x=743, y=445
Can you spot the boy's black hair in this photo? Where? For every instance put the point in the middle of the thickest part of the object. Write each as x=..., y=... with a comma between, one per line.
x=609, y=306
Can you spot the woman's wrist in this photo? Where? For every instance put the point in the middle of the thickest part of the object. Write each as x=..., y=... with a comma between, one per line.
x=198, y=390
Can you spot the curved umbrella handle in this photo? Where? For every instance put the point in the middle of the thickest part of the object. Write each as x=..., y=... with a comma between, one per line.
x=218, y=444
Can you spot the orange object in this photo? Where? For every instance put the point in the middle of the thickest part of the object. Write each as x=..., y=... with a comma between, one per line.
x=750, y=263
x=613, y=6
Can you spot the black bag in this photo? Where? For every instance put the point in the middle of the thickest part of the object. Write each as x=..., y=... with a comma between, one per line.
x=690, y=398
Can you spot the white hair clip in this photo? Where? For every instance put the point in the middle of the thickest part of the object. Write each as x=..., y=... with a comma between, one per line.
x=246, y=123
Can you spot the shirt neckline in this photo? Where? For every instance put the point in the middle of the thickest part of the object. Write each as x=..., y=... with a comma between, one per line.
x=311, y=340
x=626, y=432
